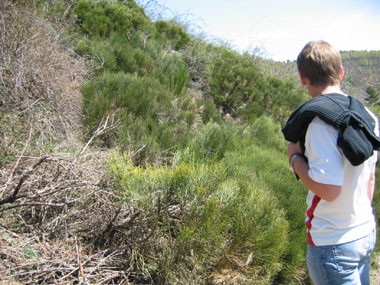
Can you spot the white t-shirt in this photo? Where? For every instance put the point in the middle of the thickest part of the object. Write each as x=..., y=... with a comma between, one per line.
x=349, y=216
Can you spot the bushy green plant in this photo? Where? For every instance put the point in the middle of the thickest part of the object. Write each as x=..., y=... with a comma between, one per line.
x=235, y=81
x=221, y=181
x=373, y=95
x=217, y=220
x=209, y=111
x=178, y=78
x=240, y=89
x=115, y=55
x=281, y=98
x=200, y=58
x=173, y=31
x=110, y=92
x=83, y=47
x=266, y=132
x=209, y=143
x=253, y=242
x=102, y=18
x=149, y=113
x=265, y=166
x=171, y=70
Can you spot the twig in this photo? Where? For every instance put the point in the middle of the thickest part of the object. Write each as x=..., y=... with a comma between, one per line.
x=110, y=224
x=30, y=106
x=39, y=204
x=136, y=152
x=79, y=262
x=129, y=220
x=26, y=175
x=103, y=260
x=18, y=162
x=102, y=128
x=144, y=6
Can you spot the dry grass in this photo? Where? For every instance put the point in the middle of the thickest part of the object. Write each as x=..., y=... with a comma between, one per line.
x=60, y=221
x=38, y=79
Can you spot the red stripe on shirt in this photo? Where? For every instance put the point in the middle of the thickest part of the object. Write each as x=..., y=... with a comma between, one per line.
x=310, y=215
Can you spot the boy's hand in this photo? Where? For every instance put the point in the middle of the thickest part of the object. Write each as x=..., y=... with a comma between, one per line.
x=294, y=148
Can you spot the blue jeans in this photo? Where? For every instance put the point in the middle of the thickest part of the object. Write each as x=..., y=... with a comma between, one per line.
x=346, y=263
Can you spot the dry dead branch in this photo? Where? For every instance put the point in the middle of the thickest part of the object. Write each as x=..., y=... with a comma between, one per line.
x=61, y=222
x=107, y=124
x=52, y=204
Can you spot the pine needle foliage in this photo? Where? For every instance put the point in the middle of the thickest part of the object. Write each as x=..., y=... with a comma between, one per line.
x=142, y=78
x=206, y=220
x=101, y=18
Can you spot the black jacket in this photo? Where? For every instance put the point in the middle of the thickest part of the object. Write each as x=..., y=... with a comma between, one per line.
x=357, y=138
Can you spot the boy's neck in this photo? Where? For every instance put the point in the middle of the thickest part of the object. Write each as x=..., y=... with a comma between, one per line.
x=315, y=91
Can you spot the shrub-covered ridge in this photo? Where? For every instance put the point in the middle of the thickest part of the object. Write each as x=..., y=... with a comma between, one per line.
x=197, y=189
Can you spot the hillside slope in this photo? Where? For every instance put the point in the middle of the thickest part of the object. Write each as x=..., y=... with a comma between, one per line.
x=362, y=70
x=135, y=153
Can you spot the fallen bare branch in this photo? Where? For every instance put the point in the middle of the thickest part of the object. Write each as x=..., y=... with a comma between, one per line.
x=13, y=197
x=105, y=125
x=17, y=163
x=51, y=213
x=37, y=204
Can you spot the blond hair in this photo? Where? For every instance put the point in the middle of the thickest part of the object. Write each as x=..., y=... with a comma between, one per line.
x=320, y=62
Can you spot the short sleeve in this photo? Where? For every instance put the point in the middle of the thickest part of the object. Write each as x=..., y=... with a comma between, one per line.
x=326, y=160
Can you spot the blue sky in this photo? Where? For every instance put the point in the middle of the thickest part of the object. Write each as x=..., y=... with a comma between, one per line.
x=281, y=28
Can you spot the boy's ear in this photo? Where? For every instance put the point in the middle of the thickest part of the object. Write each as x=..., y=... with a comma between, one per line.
x=341, y=73
x=304, y=80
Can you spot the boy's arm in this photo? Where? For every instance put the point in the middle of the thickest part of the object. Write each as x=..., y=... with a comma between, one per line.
x=301, y=168
x=324, y=191
x=371, y=183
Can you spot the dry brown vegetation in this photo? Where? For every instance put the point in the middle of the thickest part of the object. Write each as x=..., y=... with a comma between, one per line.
x=58, y=215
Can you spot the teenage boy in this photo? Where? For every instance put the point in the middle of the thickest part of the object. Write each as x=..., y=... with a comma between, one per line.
x=333, y=146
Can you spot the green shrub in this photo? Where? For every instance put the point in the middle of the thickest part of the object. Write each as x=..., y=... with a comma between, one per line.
x=83, y=47
x=151, y=114
x=373, y=95
x=110, y=92
x=178, y=78
x=259, y=231
x=281, y=98
x=132, y=60
x=266, y=167
x=209, y=111
x=115, y=55
x=171, y=71
x=217, y=220
x=235, y=81
x=209, y=143
x=137, y=56
x=221, y=185
x=102, y=18
x=139, y=138
x=93, y=20
x=173, y=31
x=267, y=133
